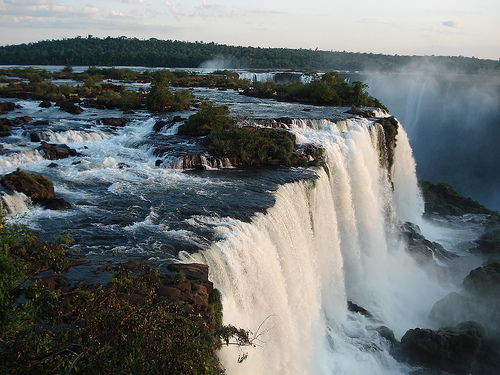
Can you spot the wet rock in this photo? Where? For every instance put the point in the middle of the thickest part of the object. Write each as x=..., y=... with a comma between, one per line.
x=421, y=248
x=37, y=187
x=41, y=122
x=56, y=204
x=489, y=243
x=70, y=107
x=55, y=151
x=159, y=125
x=484, y=281
x=45, y=104
x=35, y=137
x=451, y=349
x=5, y=130
x=351, y=306
x=6, y=107
x=115, y=121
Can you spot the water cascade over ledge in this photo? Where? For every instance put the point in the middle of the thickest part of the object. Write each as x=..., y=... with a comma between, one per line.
x=288, y=274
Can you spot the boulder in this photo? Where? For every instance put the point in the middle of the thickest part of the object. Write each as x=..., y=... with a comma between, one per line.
x=489, y=243
x=6, y=107
x=45, y=104
x=484, y=281
x=4, y=128
x=41, y=122
x=115, y=121
x=70, y=107
x=56, y=204
x=421, y=248
x=35, y=137
x=451, y=349
x=55, y=151
x=37, y=187
x=160, y=124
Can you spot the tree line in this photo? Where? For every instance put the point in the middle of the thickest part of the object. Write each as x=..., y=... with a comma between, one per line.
x=123, y=51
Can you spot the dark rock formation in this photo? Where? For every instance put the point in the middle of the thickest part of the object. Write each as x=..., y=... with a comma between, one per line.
x=484, y=282
x=55, y=151
x=45, y=104
x=56, y=204
x=115, y=121
x=4, y=127
x=489, y=243
x=37, y=187
x=6, y=107
x=449, y=349
x=70, y=107
x=41, y=122
x=35, y=137
x=421, y=248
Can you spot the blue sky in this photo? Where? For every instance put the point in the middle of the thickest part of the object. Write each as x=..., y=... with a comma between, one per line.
x=423, y=27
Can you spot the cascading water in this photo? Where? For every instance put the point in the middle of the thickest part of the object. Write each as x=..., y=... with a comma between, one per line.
x=288, y=274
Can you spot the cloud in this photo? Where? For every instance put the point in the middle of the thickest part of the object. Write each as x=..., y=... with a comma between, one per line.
x=174, y=10
x=452, y=24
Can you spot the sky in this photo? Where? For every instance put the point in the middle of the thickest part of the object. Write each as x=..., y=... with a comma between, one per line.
x=418, y=27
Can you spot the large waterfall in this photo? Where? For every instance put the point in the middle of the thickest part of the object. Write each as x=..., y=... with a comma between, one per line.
x=288, y=274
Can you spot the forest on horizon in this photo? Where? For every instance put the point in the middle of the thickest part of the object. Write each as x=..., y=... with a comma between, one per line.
x=123, y=51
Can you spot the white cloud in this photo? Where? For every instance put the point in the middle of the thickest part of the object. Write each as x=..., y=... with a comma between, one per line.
x=92, y=11
x=117, y=15
x=452, y=24
x=174, y=10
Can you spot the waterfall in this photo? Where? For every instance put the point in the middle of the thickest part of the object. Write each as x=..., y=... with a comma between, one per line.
x=288, y=274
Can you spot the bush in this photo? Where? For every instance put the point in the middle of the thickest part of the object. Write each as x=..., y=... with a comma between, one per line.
x=160, y=98
x=210, y=117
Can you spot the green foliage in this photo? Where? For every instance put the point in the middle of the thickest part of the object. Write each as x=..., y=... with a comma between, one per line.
x=442, y=198
x=210, y=117
x=161, y=98
x=328, y=89
x=176, y=54
x=93, y=329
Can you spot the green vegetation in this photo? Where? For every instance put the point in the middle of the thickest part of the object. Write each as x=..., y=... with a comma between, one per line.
x=161, y=98
x=327, y=89
x=50, y=327
x=153, y=52
x=445, y=200
x=210, y=117
x=243, y=145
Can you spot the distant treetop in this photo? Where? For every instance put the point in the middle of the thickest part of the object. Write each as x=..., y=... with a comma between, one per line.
x=153, y=52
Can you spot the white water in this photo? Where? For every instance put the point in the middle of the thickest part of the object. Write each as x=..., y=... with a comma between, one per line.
x=324, y=242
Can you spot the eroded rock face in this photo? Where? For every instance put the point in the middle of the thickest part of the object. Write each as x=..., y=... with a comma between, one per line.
x=6, y=107
x=451, y=349
x=484, y=281
x=55, y=151
x=115, y=121
x=37, y=187
x=70, y=107
x=421, y=248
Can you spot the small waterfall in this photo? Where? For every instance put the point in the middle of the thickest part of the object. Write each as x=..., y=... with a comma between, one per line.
x=14, y=203
x=289, y=273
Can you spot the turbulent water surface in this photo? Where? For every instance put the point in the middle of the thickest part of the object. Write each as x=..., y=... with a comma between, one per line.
x=286, y=247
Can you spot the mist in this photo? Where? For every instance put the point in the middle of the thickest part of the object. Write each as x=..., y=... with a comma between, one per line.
x=453, y=123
